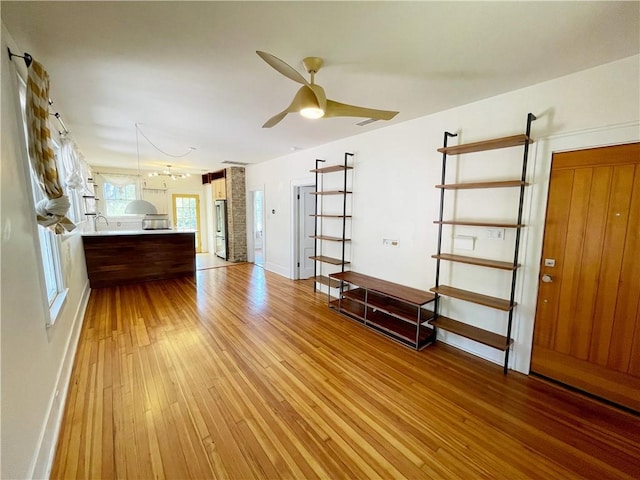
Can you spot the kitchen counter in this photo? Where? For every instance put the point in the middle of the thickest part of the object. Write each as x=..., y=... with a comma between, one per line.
x=134, y=256
x=102, y=233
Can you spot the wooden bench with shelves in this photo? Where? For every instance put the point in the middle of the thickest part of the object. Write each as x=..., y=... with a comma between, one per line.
x=394, y=310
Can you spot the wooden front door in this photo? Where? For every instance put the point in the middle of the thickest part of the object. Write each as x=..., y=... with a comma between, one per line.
x=587, y=327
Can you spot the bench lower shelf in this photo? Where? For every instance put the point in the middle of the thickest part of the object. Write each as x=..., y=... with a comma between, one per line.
x=411, y=335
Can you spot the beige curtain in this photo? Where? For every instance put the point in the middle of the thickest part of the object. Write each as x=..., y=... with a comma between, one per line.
x=51, y=212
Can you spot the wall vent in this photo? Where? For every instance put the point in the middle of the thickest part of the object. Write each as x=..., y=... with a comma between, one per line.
x=367, y=122
x=229, y=162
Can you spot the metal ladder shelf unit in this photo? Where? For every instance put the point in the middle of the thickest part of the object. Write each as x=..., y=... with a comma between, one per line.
x=486, y=337
x=320, y=217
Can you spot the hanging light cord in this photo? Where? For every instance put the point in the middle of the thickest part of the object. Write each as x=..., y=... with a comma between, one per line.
x=138, y=149
x=191, y=149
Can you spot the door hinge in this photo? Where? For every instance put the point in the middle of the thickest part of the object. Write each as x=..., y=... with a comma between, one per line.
x=298, y=264
x=298, y=196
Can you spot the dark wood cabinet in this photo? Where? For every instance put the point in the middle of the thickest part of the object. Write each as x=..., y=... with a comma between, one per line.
x=131, y=258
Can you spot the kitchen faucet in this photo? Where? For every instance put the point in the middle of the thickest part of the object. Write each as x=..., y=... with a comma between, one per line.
x=98, y=217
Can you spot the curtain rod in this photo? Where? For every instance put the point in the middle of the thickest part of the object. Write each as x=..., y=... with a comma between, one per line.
x=28, y=60
x=64, y=131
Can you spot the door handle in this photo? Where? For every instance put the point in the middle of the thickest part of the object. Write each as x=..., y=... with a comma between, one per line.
x=547, y=278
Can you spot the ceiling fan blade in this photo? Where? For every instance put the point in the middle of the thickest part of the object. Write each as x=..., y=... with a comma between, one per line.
x=318, y=91
x=282, y=67
x=337, y=109
x=275, y=119
x=304, y=97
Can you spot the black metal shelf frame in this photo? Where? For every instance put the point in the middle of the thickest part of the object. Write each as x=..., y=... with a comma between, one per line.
x=318, y=217
x=518, y=228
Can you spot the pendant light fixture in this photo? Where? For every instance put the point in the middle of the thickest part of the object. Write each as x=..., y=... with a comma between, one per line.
x=140, y=207
x=167, y=172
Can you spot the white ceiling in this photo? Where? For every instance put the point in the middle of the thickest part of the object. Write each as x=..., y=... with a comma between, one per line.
x=188, y=71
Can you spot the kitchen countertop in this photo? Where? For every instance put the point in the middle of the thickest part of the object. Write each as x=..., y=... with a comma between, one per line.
x=106, y=233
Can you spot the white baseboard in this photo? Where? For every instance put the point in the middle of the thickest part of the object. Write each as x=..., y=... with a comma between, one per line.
x=279, y=269
x=51, y=431
x=474, y=348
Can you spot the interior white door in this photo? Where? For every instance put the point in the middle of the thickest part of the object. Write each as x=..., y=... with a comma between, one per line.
x=306, y=224
x=258, y=227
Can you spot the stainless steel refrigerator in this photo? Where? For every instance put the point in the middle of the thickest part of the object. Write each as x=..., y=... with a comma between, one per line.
x=221, y=228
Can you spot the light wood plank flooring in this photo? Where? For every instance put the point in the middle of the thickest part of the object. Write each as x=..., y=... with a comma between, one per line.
x=243, y=374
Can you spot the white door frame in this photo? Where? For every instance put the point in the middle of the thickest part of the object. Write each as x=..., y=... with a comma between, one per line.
x=295, y=223
x=251, y=234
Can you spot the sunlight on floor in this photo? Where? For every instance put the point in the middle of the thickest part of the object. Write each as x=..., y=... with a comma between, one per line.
x=207, y=260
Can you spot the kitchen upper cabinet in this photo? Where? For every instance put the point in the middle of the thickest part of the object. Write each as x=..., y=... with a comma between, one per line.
x=219, y=189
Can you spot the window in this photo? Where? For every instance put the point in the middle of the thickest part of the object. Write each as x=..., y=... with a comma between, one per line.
x=116, y=197
x=49, y=247
x=186, y=214
x=66, y=167
x=50, y=254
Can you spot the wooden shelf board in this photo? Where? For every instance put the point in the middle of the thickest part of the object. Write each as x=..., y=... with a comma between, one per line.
x=478, y=224
x=331, y=239
x=332, y=261
x=326, y=281
x=474, y=333
x=397, y=329
x=349, y=307
x=403, y=332
x=472, y=185
x=483, y=262
x=390, y=306
x=332, y=168
x=487, y=301
x=331, y=192
x=329, y=216
x=400, y=292
x=493, y=144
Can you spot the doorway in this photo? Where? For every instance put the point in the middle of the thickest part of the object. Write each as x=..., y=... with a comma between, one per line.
x=258, y=227
x=186, y=214
x=587, y=326
x=305, y=244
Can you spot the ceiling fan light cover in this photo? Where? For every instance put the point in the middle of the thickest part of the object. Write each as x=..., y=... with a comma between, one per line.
x=312, y=112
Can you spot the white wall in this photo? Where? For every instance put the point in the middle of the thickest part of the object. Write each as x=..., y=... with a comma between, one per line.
x=36, y=360
x=397, y=167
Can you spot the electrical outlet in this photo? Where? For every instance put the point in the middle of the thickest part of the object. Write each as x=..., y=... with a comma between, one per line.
x=495, y=233
x=387, y=242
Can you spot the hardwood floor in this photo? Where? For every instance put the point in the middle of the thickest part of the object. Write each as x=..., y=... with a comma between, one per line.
x=244, y=374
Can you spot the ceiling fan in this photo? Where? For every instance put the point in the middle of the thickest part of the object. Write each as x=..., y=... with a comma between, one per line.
x=311, y=101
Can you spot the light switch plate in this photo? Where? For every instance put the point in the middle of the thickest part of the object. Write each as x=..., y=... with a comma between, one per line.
x=464, y=242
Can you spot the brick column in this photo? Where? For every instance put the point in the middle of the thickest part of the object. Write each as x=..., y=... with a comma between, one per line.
x=236, y=214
